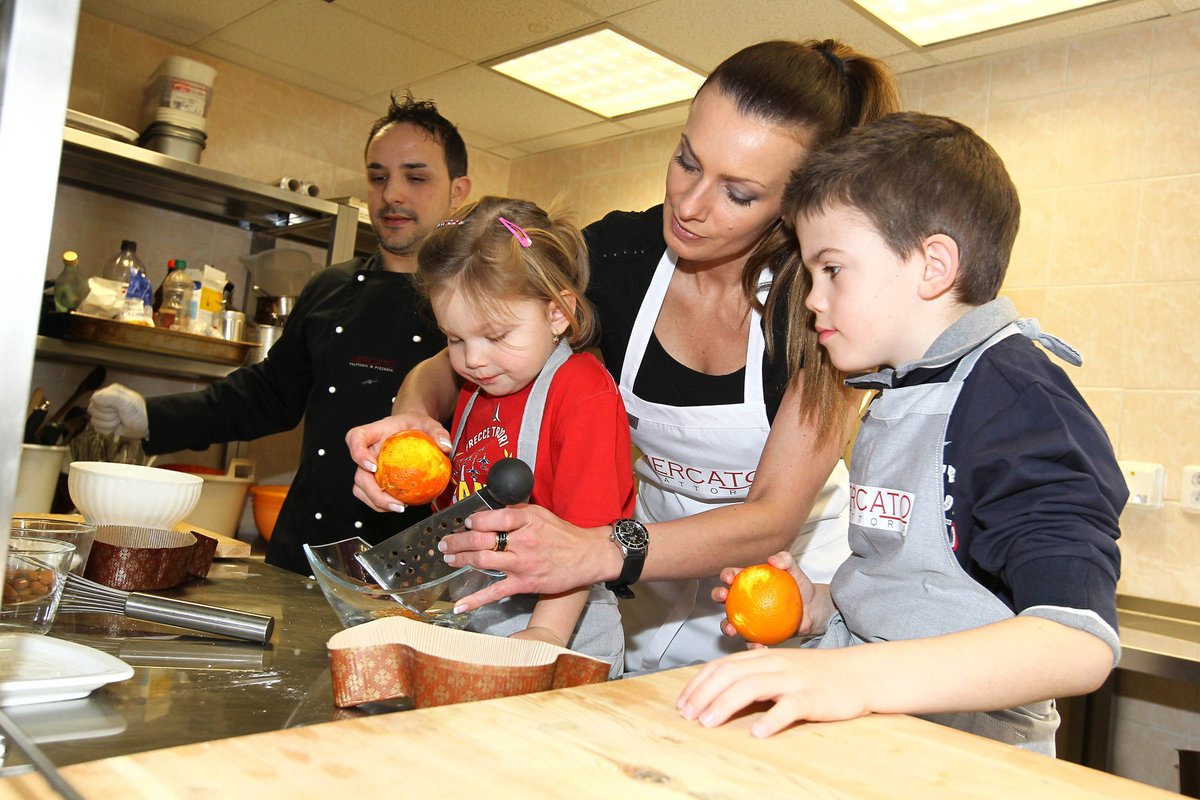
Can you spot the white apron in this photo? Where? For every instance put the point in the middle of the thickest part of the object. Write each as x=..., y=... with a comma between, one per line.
x=693, y=459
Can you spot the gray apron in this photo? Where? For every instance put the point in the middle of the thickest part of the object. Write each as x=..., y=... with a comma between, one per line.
x=598, y=632
x=903, y=581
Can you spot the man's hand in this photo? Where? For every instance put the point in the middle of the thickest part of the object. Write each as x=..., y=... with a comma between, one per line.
x=120, y=410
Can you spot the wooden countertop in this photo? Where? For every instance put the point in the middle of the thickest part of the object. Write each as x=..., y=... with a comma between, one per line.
x=617, y=740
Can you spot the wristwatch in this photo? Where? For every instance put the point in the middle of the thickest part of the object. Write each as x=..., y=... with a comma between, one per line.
x=634, y=540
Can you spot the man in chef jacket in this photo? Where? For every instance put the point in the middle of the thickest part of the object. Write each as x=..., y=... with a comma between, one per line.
x=356, y=330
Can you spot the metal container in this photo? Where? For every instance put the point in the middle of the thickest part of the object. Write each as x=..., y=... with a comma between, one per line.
x=267, y=336
x=272, y=309
x=174, y=140
x=231, y=325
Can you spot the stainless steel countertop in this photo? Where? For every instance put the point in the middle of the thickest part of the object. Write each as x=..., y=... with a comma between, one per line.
x=1159, y=638
x=193, y=687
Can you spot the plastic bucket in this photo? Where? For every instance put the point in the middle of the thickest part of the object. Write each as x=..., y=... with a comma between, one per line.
x=268, y=499
x=182, y=86
x=37, y=478
x=222, y=497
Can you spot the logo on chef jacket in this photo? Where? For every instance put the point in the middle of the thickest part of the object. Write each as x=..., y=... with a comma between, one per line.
x=705, y=480
x=370, y=362
x=880, y=509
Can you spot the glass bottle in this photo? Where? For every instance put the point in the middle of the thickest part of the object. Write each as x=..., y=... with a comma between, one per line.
x=70, y=287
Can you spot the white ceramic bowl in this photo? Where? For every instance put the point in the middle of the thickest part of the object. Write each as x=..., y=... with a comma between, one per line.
x=127, y=494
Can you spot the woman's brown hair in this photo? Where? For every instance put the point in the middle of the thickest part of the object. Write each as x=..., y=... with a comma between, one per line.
x=822, y=89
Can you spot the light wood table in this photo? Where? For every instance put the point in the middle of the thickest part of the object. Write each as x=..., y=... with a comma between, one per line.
x=612, y=741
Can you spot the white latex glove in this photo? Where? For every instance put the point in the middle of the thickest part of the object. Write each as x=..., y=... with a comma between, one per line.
x=120, y=410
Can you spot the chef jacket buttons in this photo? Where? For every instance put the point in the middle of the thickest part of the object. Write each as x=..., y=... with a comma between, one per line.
x=321, y=451
x=358, y=523
x=417, y=338
x=317, y=515
x=332, y=389
x=338, y=329
x=362, y=278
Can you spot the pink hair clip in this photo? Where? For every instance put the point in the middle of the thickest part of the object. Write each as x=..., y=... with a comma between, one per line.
x=518, y=233
x=446, y=222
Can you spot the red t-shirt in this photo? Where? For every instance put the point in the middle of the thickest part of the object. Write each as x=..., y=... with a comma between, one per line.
x=584, y=471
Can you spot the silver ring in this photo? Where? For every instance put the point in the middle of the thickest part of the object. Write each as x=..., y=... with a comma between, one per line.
x=501, y=542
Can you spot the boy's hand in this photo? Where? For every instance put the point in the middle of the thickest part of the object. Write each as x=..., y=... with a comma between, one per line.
x=813, y=685
x=363, y=443
x=782, y=560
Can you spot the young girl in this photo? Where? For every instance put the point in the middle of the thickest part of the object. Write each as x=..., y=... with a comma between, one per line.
x=506, y=283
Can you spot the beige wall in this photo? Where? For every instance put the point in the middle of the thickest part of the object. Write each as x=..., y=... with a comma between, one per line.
x=1102, y=136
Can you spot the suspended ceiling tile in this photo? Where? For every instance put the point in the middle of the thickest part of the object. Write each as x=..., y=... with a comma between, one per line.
x=493, y=105
x=705, y=32
x=181, y=21
x=607, y=8
x=286, y=73
x=1050, y=30
x=477, y=139
x=324, y=39
x=664, y=117
x=472, y=29
x=571, y=138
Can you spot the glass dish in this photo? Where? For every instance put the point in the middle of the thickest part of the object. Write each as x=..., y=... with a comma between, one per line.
x=356, y=598
x=33, y=583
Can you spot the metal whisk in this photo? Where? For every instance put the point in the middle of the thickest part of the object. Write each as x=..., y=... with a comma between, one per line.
x=83, y=596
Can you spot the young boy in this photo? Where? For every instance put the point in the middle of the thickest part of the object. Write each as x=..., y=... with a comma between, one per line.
x=985, y=495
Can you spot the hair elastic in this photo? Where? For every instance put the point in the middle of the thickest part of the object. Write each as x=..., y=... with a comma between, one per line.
x=518, y=233
x=447, y=222
x=836, y=61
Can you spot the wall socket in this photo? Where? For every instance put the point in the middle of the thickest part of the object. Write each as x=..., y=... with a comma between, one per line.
x=1147, y=483
x=1189, y=490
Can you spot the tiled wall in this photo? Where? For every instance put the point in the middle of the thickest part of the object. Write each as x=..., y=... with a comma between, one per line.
x=1102, y=136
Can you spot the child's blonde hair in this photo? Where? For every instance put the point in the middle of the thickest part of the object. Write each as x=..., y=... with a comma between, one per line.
x=491, y=264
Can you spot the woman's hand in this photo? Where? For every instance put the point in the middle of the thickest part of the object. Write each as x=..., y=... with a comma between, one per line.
x=544, y=554
x=814, y=598
x=364, y=442
x=539, y=634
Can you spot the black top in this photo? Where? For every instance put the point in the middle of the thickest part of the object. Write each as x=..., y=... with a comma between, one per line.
x=1033, y=490
x=355, y=332
x=625, y=247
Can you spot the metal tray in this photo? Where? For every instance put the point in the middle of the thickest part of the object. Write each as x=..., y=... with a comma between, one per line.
x=85, y=328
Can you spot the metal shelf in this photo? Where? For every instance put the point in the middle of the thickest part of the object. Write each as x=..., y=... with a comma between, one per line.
x=131, y=360
x=135, y=173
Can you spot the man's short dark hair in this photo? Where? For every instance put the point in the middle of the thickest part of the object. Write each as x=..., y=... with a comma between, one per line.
x=424, y=114
x=913, y=175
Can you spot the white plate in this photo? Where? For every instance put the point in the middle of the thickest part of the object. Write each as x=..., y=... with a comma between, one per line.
x=42, y=669
x=101, y=127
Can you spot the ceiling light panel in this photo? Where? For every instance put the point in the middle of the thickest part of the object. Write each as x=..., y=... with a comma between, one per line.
x=930, y=21
x=604, y=72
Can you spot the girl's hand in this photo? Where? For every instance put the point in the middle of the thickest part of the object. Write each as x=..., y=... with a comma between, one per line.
x=363, y=443
x=813, y=685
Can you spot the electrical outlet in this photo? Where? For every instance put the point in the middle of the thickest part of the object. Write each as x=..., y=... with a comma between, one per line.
x=1189, y=490
x=1146, y=483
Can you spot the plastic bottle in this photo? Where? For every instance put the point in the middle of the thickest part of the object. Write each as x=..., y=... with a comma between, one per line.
x=174, y=310
x=139, y=298
x=119, y=266
x=70, y=287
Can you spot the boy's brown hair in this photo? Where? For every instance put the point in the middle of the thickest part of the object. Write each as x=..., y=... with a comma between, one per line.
x=913, y=175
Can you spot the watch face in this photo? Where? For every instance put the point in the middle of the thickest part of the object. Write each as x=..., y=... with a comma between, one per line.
x=631, y=534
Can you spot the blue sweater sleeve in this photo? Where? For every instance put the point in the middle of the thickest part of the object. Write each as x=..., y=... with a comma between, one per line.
x=1035, y=487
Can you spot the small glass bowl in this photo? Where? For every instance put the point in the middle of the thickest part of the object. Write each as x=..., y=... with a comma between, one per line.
x=80, y=534
x=356, y=598
x=33, y=583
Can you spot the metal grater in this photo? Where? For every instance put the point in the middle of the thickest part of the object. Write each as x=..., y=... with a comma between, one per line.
x=410, y=557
